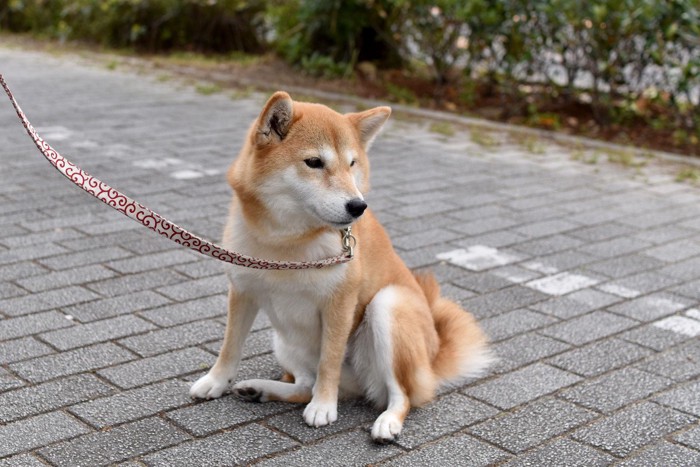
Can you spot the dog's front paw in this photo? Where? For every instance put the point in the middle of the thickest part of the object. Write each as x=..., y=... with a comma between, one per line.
x=386, y=428
x=209, y=387
x=320, y=414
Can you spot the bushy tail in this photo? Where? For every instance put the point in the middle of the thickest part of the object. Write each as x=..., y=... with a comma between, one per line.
x=463, y=351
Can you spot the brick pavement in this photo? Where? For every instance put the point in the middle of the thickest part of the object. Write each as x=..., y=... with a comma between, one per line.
x=586, y=277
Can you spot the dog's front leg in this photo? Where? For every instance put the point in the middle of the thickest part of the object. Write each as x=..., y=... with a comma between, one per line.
x=337, y=318
x=241, y=314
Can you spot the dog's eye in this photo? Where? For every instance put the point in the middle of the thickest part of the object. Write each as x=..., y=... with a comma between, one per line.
x=352, y=163
x=314, y=162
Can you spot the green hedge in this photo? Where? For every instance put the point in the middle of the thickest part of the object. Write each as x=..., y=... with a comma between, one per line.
x=624, y=59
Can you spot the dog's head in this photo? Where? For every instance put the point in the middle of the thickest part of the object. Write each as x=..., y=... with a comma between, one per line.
x=307, y=164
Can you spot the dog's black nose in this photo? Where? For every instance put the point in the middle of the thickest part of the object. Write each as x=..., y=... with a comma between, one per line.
x=355, y=207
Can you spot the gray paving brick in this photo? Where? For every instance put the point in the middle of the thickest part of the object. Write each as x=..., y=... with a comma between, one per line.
x=514, y=322
x=44, y=301
x=99, y=331
x=548, y=245
x=133, y=404
x=32, y=433
x=663, y=453
x=651, y=307
x=224, y=448
x=349, y=449
x=616, y=389
x=675, y=251
x=679, y=364
x=49, y=396
x=690, y=438
x=197, y=288
x=153, y=261
x=214, y=415
x=136, y=282
x=9, y=381
x=201, y=268
x=654, y=337
x=8, y=290
x=65, y=278
x=691, y=289
x=148, y=370
x=632, y=428
x=15, y=271
x=684, y=398
x=498, y=302
x=74, y=361
x=562, y=307
x=178, y=337
x=29, y=253
x=684, y=270
x=21, y=460
x=588, y=327
x=22, y=349
x=546, y=228
x=563, y=451
x=117, y=444
x=482, y=282
x=40, y=238
x=532, y=424
x=415, y=240
x=664, y=234
x=84, y=258
x=622, y=266
x=108, y=307
x=458, y=450
x=600, y=357
x=523, y=350
x=615, y=247
x=521, y=386
x=186, y=312
x=494, y=239
x=604, y=231
x=646, y=282
x=32, y=324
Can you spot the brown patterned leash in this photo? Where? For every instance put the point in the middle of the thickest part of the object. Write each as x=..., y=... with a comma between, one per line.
x=158, y=223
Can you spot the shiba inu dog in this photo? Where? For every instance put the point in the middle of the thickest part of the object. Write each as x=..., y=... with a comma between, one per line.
x=365, y=328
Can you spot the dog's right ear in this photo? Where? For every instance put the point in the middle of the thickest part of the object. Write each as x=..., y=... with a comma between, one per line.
x=275, y=119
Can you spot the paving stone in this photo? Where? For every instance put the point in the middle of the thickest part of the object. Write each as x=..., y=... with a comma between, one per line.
x=49, y=396
x=29, y=253
x=214, y=415
x=521, y=386
x=178, y=337
x=600, y=357
x=523, y=350
x=20, y=270
x=224, y=448
x=675, y=251
x=601, y=232
x=84, y=258
x=109, y=307
x=563, y=451
x=348, y=449
x=117, y=444
x=482, y=282
x=458, y=450
x=548, y=245
x=196, y=288
x=532, y=424
x=45, y=301
x=97, y=331
x=615, y=247
x=691, y=289
x=148, y=370
x=679, y=364
x=32, y=433
x=562, y=307
x=415, y=240
x=646, y=282
x=650, y=307
x=690, y=438
x=684, y=398
x=632, y=428
x=622, y=266
x=663, y=453
x=514, y=322
x=135, y=403
x=546, y=228
x=9, y=381
x=186, y=312
x=136, y=282
x=616, y=389
x=503, y=300
x=8, y=290
x=74, y=361
x=154, y=261
x=65, y=278
x=562, y=283
x=588, y=327
x=22, y=349
x=200, y=269
x=21, y=460
x=684, y=270
x=440, y=418
x=654, y=337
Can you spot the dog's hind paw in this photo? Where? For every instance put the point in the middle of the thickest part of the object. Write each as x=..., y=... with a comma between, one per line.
x=386, y=428
x=209, y=387
x=248, y=393
x=319, y=414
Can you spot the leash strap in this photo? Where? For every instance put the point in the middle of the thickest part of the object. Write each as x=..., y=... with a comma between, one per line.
x=156, y=222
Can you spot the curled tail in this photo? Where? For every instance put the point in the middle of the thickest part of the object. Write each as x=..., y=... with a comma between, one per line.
x=463, y=352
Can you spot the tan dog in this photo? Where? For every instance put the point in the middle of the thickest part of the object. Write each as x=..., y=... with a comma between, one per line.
x=365, y=328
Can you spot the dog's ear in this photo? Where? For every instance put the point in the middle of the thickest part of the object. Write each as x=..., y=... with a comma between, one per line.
x=275, y=119
x=369, y=122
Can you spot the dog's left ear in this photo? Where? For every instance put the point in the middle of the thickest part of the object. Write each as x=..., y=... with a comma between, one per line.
x=275, y=119
x=369, y=122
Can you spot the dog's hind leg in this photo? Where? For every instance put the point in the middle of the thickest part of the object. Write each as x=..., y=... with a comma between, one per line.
x=241, y=314
x=264, y=390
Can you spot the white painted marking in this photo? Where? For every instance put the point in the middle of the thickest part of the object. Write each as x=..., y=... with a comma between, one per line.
x=478, y=257
x=540, y=267
x=693, y=313
x=562, y=283
x=619, y=290
x=54, y=133
x=156, y=163
x=186, y=174
x=680, y=325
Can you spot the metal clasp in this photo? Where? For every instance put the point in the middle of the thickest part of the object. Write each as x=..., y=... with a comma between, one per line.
x=349, y=242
